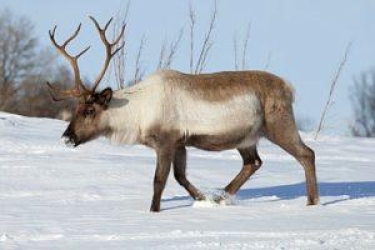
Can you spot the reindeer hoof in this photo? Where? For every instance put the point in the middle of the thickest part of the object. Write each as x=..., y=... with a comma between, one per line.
x=311, y=202
x=220, y=198
x=224, y=199
x=155, y=209
x=200, y=197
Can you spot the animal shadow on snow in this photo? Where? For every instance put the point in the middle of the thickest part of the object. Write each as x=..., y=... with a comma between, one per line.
x=343, y=190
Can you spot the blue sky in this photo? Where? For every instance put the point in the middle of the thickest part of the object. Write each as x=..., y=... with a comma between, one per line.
x=306, y=40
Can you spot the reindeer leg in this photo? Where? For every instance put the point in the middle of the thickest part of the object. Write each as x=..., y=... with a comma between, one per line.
x=163, y=167
x=306, y=157
x=251, y=163
x=179, y=168
x=282, y=131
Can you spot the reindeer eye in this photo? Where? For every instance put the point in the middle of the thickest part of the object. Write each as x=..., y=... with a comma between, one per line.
x=89, y=112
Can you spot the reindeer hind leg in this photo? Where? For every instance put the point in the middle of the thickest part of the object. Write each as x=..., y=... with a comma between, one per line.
x=251, y=163
x=281, y=130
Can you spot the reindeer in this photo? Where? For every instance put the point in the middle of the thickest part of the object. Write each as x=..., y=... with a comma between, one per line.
x=170, y=110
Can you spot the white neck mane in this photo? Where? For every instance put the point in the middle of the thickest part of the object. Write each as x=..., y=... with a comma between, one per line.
x=129, y=109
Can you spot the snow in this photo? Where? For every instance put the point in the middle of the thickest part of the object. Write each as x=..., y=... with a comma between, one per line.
x=98, y=195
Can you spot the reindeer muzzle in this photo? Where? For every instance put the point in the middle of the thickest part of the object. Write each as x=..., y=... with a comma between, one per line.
x=70, y=139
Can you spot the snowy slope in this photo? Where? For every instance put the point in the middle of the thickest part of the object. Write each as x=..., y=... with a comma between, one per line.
x=97, y=196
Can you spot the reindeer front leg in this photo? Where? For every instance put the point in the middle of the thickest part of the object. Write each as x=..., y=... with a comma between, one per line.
x=163, y=167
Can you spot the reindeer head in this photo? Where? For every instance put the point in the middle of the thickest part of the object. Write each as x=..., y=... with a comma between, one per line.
x=86, y=123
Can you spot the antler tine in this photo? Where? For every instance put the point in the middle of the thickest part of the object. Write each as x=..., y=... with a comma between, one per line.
x=108, y=48
x=82, y=52
x=72, y=36
x=52, y=36
x=108, y=23
x=52, y=33
x=118, y=48
x=98, y=26
x=120, y=35
x=62, y=94
x=76, y=90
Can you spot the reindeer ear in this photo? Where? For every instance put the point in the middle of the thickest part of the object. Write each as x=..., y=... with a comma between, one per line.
x=105, y=96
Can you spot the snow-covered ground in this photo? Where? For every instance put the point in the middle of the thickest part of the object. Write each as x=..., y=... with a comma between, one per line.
x=97, y=196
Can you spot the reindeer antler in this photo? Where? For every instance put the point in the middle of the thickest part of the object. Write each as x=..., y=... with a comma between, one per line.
x=108, y=48
x=79, y=88
x=73, y=60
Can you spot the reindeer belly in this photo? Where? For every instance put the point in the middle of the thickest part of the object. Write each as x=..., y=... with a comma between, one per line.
x=234, y=139
x=233, y=123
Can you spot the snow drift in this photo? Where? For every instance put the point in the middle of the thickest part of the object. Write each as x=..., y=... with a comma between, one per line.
x=97, y=196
